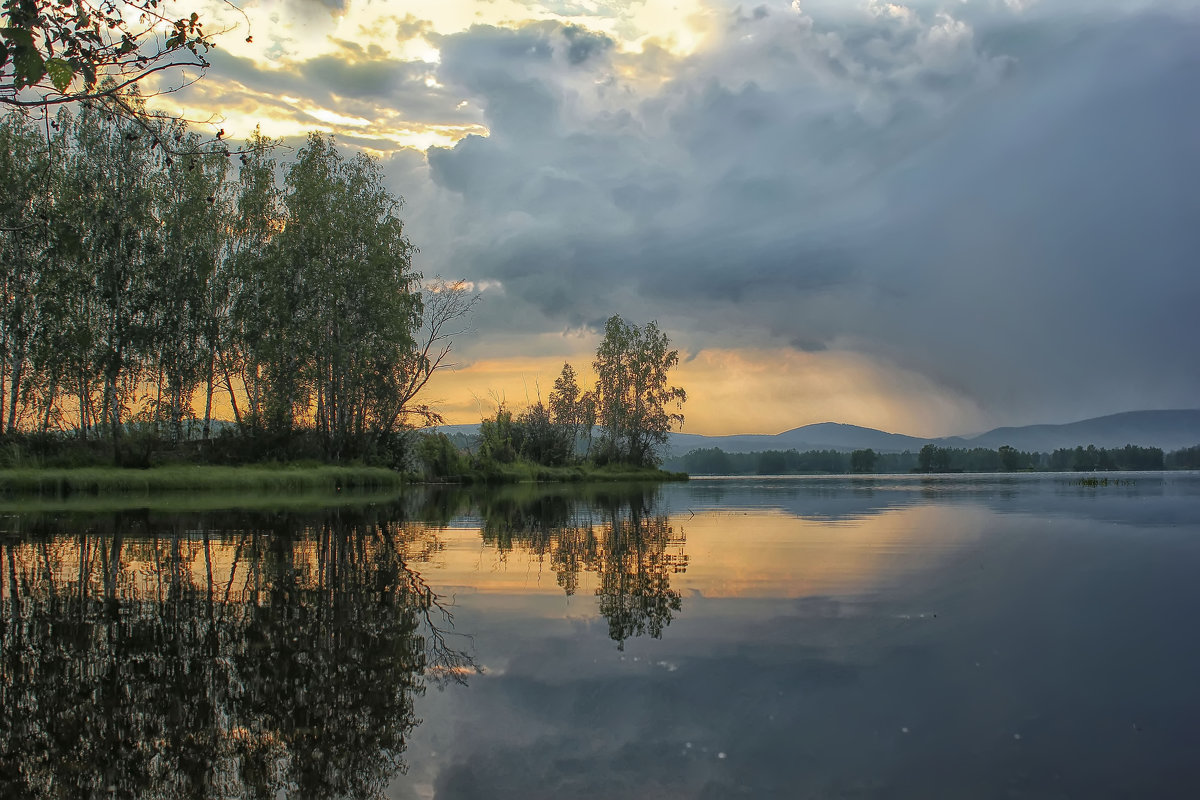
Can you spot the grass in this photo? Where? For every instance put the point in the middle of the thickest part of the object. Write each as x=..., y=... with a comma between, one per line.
x=197, y=502
x=94, y=481
x=195, y=487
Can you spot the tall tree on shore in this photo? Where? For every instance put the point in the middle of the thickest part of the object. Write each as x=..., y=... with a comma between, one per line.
x=109, y=201
x=23, y=170
x=256, y=217
x=345, y=302
x=632, y=394
x=191, y=196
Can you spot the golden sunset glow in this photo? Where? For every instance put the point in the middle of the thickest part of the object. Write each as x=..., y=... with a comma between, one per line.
x=797, y=558
x=771, y=390
x=285, y=37
x=813, y=557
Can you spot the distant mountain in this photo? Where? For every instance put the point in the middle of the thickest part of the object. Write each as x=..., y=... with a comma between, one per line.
x=1170, y=430
x=820, y=436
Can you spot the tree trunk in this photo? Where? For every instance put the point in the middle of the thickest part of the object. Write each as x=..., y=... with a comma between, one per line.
x=3, y=388
x=237, y=416
x=50, y=404
x=208, y=395
x=83, y=407
x=14, y=390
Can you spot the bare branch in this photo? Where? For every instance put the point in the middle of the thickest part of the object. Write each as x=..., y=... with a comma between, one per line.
x=446, y=306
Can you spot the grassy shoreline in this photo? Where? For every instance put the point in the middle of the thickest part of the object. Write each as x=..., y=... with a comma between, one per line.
x=70, y=482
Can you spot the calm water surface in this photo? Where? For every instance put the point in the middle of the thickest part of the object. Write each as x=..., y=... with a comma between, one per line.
x=881, y=637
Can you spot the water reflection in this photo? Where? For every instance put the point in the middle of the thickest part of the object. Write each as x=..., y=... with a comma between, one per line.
x=623, y=536
x=809, y=637
x=254, y=654
x=156, y=656
x=839, y=498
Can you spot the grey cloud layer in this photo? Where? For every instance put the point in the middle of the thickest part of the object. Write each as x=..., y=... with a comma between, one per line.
x=1005, y=202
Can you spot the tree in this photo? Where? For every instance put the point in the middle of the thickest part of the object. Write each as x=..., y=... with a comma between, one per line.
x=445, y=305
x=571, y=409
x=632, y=394
x=343, y=303
x=257, y=216
x=54, y=52
x=863, y=460
x=934, y=459
x=189, y=285
x=23, y=165
x=109, y=203
x=542, y=440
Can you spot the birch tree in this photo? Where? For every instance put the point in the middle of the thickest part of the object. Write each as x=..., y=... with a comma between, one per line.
x=633, y=396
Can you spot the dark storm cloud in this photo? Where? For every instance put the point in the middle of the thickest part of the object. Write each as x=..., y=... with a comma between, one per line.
x=1004, y=202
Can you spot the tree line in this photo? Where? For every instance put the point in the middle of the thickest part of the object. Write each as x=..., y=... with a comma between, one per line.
x=140, y=288
x=933, y=459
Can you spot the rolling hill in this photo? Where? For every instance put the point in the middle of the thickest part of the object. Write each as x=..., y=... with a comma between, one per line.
x=1170, y=430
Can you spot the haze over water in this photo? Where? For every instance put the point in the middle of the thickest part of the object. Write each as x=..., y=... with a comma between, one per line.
x=957, y=636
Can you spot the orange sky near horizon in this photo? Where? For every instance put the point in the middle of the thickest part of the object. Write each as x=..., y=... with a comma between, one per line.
x=734, y=391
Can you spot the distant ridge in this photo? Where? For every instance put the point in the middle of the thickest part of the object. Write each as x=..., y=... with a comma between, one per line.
x=1170, y=430
x=820, y=436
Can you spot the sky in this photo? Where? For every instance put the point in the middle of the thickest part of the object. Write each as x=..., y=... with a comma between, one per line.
x=932, y=218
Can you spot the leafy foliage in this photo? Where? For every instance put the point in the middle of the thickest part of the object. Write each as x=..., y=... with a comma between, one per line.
x=141, y=288
x=59, y=51
x=632, y=395
x=631, y=403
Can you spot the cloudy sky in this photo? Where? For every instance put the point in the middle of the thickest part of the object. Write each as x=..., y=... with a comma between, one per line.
x=931, y=218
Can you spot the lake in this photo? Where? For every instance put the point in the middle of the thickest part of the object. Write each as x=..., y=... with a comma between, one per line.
x=1028, y=636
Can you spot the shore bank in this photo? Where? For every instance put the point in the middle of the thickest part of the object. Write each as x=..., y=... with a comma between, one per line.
x=63, y=483
x=69, y=482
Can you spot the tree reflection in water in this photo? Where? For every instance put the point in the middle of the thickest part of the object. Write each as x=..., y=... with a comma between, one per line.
x=252, y=656
x=622, y=536
x=242, y=654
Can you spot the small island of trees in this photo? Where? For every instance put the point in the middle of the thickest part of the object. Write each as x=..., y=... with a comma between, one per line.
x=618, y=426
